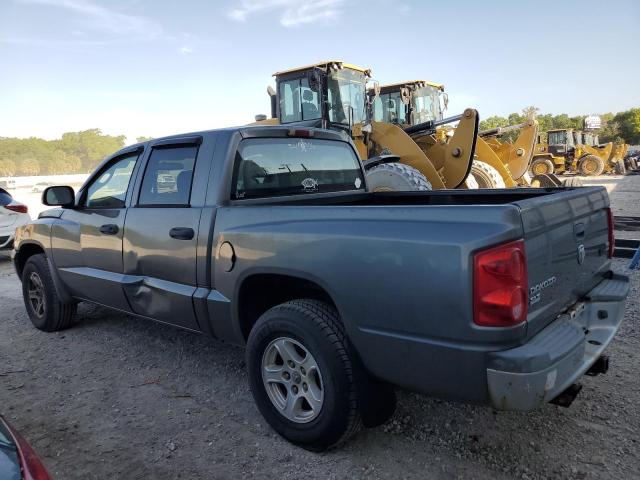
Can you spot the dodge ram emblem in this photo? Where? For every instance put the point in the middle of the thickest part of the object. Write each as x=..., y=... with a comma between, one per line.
x=310, y=184
x=581, y=254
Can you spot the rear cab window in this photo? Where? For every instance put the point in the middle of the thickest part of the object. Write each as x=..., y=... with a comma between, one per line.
x=268, y=167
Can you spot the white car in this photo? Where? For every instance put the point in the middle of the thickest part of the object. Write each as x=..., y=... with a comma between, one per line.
x=12, y=215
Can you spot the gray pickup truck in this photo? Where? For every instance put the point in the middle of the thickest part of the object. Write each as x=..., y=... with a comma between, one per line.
x=267, y=237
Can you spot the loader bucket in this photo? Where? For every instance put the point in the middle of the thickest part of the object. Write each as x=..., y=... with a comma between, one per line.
x=517, y=156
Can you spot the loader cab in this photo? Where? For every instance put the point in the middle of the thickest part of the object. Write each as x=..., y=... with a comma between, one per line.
x=561, y=142
x=330, y=94
x=410, y=103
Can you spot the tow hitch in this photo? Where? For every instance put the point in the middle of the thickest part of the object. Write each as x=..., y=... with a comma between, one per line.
x=566, y=398
x=600, y=366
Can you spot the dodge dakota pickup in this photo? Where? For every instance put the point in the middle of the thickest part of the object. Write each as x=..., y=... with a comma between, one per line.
x=267, y=237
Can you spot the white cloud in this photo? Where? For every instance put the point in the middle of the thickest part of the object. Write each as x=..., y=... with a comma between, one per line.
x=291, y=12
x=104, y=19
x=186, y=50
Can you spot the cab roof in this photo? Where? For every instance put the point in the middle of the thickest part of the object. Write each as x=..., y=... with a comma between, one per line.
x=326, y=64
x=417, y=83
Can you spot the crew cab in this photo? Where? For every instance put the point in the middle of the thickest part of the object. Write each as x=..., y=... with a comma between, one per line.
x=268, y=238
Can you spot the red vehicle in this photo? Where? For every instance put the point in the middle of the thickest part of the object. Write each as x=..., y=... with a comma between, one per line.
x=18, y=461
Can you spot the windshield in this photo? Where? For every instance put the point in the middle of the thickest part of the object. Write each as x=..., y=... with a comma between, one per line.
x=425, y=104
x=268, y=167
x=388, y=107
x=345, y=90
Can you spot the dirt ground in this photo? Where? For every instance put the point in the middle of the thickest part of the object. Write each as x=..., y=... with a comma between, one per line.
x=123, y=398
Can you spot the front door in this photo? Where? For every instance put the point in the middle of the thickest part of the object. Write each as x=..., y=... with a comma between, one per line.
x=160, y=237
x=87, y=241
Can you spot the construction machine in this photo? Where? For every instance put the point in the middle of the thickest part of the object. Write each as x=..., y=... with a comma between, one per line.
x=496, y=164
x=617, y=151
x=561, y=153
x=334, y=95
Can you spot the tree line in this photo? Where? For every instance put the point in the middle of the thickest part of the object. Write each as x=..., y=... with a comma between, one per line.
x=75, y=152
x=80, y=152
x=616, y=127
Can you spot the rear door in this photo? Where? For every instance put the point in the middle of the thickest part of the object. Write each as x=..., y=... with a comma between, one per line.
x=161, y=232
x=87, y=240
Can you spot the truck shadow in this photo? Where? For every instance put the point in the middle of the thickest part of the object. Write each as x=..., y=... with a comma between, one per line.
x=209, y=371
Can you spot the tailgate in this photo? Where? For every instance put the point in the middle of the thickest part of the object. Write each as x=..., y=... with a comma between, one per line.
x=566, y=242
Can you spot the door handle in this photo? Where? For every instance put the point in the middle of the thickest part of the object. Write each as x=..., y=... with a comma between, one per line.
x=182, y=233
x=109, y=229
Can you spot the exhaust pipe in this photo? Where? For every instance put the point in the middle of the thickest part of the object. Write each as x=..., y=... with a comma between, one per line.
x=600, y=366
x=566, y=398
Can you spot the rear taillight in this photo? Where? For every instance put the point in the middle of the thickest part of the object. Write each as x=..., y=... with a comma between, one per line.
x=612, y=239
x=17, y=207
x=500, y=285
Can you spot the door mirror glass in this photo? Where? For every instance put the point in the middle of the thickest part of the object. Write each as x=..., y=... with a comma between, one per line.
x=60, y=196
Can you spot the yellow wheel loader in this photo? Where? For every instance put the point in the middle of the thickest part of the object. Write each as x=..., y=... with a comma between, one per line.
x=617, y=151
x=496, y=164
x=561, y=154
x=334, y=95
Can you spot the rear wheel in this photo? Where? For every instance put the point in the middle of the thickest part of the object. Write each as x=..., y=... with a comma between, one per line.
x=304, y=375
x=46, y=311
x=542, y=166
x=486, y=175
x=396, y=177
x=591, y=165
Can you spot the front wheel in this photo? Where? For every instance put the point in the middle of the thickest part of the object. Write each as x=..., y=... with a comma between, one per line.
x=486, y=176
x=542, y=166
x=46, y=311
x=304, y=375
x=396, y=177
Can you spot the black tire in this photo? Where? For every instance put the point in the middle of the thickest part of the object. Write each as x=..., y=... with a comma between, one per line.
x=50, y=314
x=541, y=166
x=396, y=177
x=572, y=182
x=591, y=165
x=316, y=326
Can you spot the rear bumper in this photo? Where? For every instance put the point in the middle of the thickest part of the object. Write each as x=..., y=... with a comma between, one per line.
x=531, y=375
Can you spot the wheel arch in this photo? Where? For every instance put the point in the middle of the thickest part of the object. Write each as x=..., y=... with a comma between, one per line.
x=24, y=252
x=259, y=291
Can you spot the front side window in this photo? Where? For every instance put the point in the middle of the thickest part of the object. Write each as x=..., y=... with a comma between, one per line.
x=557, y=138
x=346, y=96
x=167, y=178
x=289, y=166
x=109, y=189
x=297, y=101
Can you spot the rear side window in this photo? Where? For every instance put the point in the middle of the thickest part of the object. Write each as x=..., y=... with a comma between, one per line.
x=167, y=178
x=5, y=198
x=109, y=189
x=267, y=167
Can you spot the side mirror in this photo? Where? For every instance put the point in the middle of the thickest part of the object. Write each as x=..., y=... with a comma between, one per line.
x=60, y=196
x=260, y=117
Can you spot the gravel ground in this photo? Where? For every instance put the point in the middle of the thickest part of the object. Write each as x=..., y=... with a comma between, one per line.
x=122, y=398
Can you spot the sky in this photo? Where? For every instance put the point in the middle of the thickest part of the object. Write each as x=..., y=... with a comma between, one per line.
x=156, y=67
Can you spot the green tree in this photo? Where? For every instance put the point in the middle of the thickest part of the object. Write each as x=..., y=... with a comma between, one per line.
x=29, y=166
x=629, y=125
x=143, y=139
x=7, y=168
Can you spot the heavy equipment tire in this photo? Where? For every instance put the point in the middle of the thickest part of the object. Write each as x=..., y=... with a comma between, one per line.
x=396, y=177
x=471, y=183
x=619, y=168
x=546, y=181
x=46, y=311
x=572, y=182
x=541, y=166
x=486, y=175
x=304, y=375
x=591, y=165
